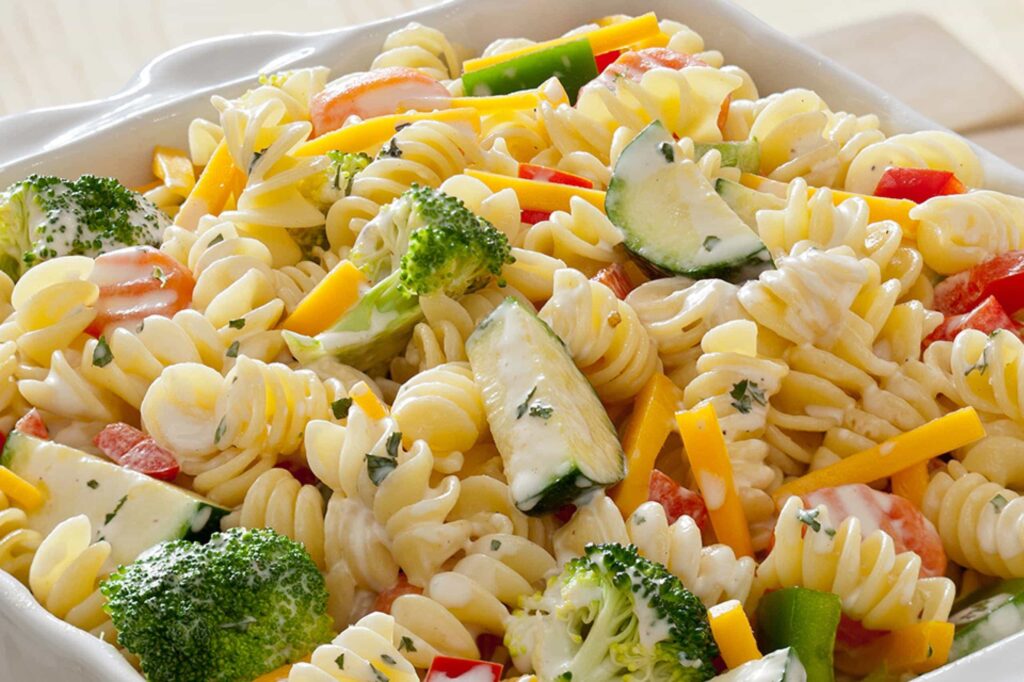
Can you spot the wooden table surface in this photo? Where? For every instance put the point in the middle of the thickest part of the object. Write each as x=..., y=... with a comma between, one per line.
x=960, y=62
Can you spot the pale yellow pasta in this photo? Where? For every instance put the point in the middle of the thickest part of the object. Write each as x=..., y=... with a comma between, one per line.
x=713, y=573
x=981, y=523
x=422, y=48
x=934, y=149
x=66, y=572
x=603, y=334
x=532, y=273
x=957, y=232
x=500, y=208
x=583, y=238
x=18, y=542
x=363, y=652
x=999, y=456
x=474, y=597
x=988, y=371
x=294, y=282
x=879, y=588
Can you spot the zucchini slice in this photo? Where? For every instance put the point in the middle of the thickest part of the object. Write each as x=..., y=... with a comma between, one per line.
x=555, y=438
x=746, y=202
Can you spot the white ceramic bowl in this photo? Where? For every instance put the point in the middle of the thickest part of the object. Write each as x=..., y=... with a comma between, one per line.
x=114, y=137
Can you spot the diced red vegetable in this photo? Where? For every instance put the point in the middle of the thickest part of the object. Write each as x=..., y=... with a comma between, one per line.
x=300, y=471
x=677, y=500
x=987, y=317
x=32, y=424
x=615, y=278
x=1001, y=276
x=564, y=514
x=851, y=634
x=904, y=522
x=487, y=644
x=532, y=217
x=531, y=171
x=449, y=668
x=917, y=184
x=3, y=440
x=137, y=282
x=386, y=598
x=605, y=58
x=133, y=449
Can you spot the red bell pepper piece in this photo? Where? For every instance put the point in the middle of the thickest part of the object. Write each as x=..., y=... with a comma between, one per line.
x=677, y=500
x=615, y=278
x=917, y=184
x=449, y=668
x=851, y=634
x=32, y=424
x=531, y=171
x=1001, y=276
x=987, y=317
x=605, y=58
x=132, y=449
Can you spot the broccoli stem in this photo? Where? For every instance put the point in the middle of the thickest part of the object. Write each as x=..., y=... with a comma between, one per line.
x=594, y=660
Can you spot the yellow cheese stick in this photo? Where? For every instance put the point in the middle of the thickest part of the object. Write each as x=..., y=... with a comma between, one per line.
x=539, y=196
x=327, y=301
x=733, y=634
x=516, y=101
x=879, y=208
x=648, y=428
x=220, y=180
x=944, y=434
x=915, y=648
x=174, y=167
x=712, y=470
x=362, y=396
x=603, y=39
x=26, y=495
x=369, y=135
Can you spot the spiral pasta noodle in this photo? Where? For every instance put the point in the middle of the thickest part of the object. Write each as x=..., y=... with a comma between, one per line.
x=877, y=587
x=18, y=542
x=294, y=282
x=713, y=573
x=582, y=238
x=988, y=371
x=981, y=523
x=474, y=597
x=603, y=334
x=364, y=651
x=934, y=149
x=66, y=572
x=959, y=231
x=420, y=47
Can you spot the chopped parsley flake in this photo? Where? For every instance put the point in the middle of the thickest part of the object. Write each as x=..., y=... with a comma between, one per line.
x=233, y=350
x=221, y=428
x=340, y=661
x=981, y=366
x=495, y=545
x=110, y=515
x=524, y=406
x=217, y=240
x=388, y=659
x=102, y=356
x=378, y=468
x=639, y=520
x=160, y=276
x=340, y=407
x=809, y=517
x=391, y=150
x=406, y=644
x=394, y=440
x=999, y=502
x=666, y=150
x=237, y=324
x=744, y=393
x=711, y=242
x=93, y=483
x=378, y=676
x=541, y=410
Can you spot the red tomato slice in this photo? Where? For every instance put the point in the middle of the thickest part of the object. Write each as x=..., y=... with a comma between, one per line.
x=907, y=526
x=386, y=598
x=987, y=317
x=32, y=424
x=449, y=668
x=531, y=171
x=133, y=449
x=532, y=217
x=615, y=278
x=137, y=282
x=1001, y=276
x=917, y=184
x=368, y=94
x=851, y=634
x=677, y=500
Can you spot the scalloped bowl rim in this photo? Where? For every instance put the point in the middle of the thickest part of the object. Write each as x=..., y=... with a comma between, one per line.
x=175, y=86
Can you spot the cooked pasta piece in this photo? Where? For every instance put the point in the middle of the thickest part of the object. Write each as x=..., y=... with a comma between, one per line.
x=879, y=588
x=363, y=652
x=987, y=370
x=420, y=47
x=935, y=149
x=958, y=231
x=981, y=523
x=713, y=573
x=583, y=238
x=18, y=542
x=66, y=572
x=603, y=334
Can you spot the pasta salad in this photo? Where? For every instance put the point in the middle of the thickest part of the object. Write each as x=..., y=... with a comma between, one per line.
x=574, y=360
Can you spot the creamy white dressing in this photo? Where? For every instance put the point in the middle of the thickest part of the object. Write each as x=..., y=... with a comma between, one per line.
x=713, y=488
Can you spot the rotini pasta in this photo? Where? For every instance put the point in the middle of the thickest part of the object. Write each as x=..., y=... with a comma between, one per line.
x=18, y=543
x=364, y=651
x=933, y=149
x=959, y=231
x=583, y=238
x=420, y=47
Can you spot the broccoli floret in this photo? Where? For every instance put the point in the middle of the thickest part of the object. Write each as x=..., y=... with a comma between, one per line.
x=449, y=250
x=43, y=217
x=231, y=610
x=335, y=181
x=613, y=615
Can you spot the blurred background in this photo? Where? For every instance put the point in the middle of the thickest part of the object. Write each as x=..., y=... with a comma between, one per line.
x=962, y=63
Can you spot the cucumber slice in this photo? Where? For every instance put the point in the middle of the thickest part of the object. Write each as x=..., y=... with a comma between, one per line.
x=987, y=616
x=554, y=435
x=805, y=620
x=745, y=155
x=131, y=511
x=671, y=216
x=778, y=666
x=746, y=202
